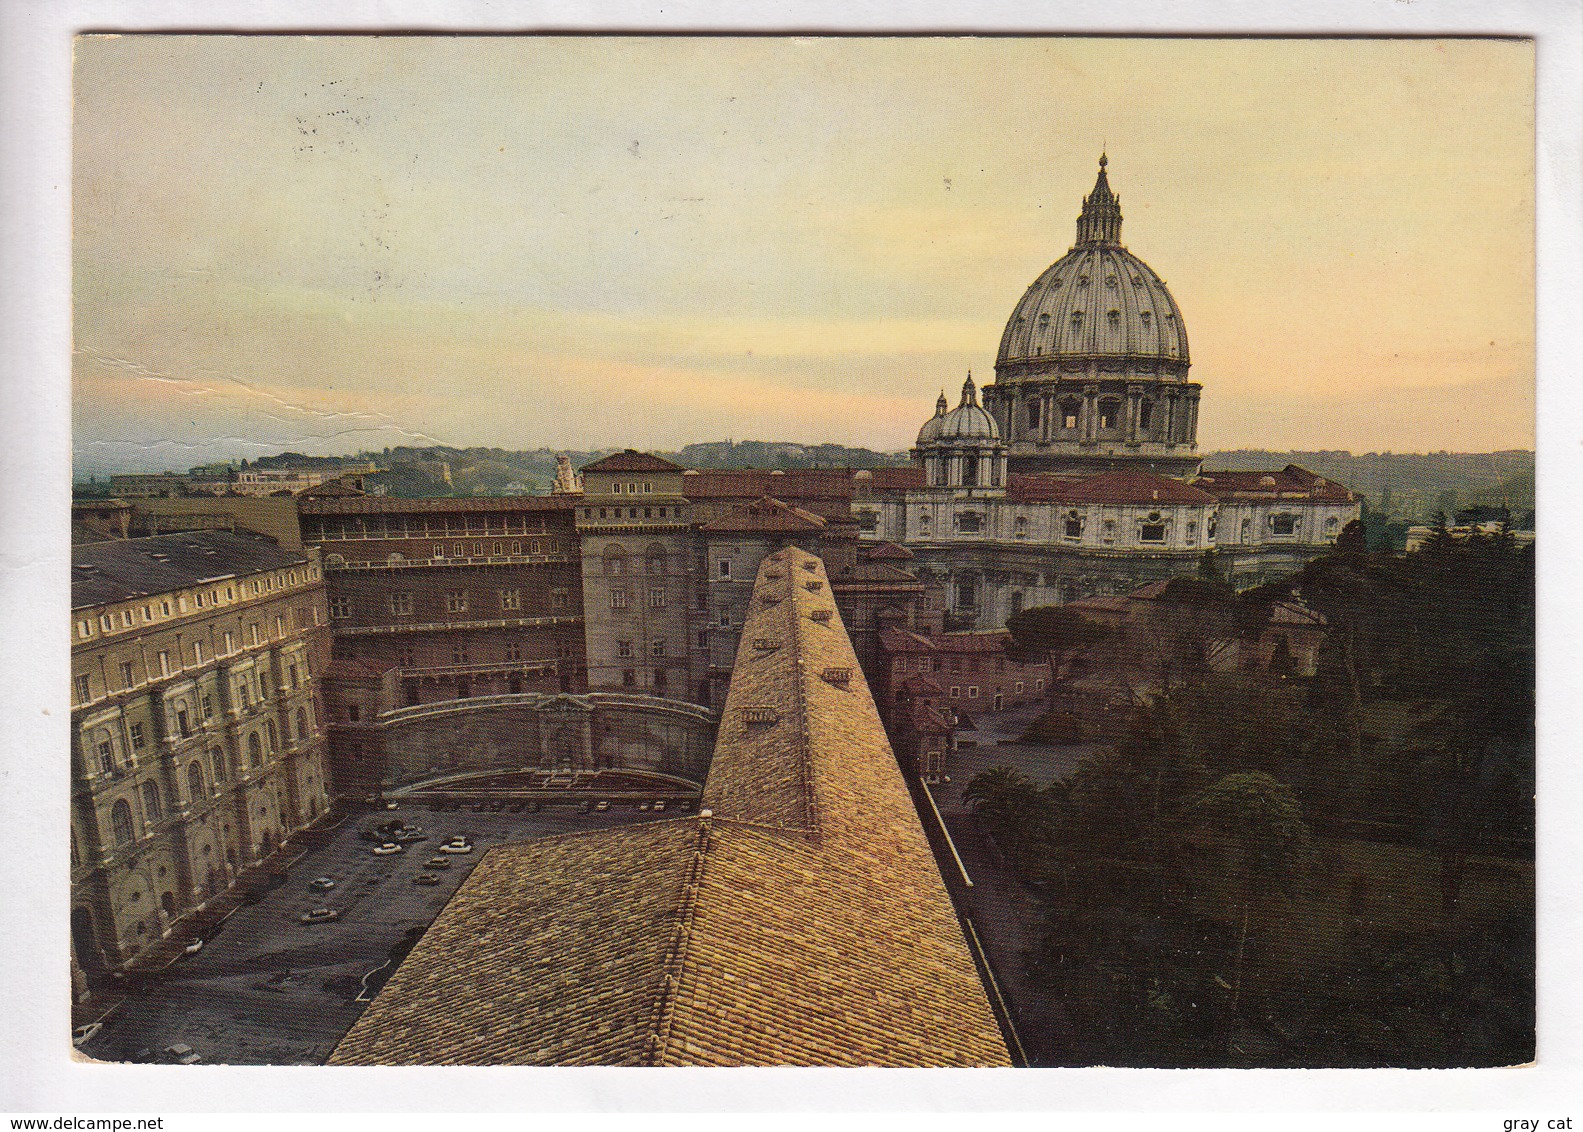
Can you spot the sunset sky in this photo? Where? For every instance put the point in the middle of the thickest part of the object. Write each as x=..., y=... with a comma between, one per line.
x=328, y=244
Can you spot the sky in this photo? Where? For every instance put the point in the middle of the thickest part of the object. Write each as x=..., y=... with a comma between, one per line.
x=329, y=244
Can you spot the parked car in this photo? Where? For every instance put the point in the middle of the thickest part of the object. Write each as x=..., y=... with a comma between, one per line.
x=437, y=863
x=192, y=946
x=425, y=878
x=319, y=916
x=643, y=805
x=84, y=1034
x=387, y=849
x=602, y=805
x=413, y=834
x=321, y=884
x=659, y=805
x=181, y=1054
x=456, y=847
x=392, y=805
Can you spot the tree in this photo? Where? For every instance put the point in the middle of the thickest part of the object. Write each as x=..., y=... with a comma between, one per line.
x=1259, y=818
x=1047, y=631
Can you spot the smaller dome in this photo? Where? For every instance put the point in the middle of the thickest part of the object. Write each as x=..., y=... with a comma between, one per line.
x=969, y=421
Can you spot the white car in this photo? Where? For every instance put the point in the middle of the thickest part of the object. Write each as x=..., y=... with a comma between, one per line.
x=193, y=947
x=321, y=884
x=387, y=849
x=456, y=847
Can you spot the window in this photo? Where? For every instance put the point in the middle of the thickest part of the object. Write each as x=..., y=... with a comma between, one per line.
x=513, y=650
x=106, y=751
x=1038, y=685
x=969, y=522
x=956, y=692
x=510, y=599
x=274, y=737
x=229, y=642
x=164, y=608
x=1283, y=525
x=725, y=619
x=151, y=807
x=206, y=705
x=615, y=566
x=353, y=714
x=1191, y=534
x=280, y=626
x=618, y=599
x=164, y=663
x=970, y=471
x=456, y=601
x=1070, y=410
x=183, y=725
x=197, y=652
x=1074, y=524
x=1109, y=412
x=1243, y=535
x=252, y=630
x=1152, y=529
x=126, y=667
x=1017, y=688
x=623, y=648
x=255, y=748
x=138, y=740
x=499, y=549
x=656, y=599
x=85, y=628
x=1145, y=410
x=340, y=607
x=966, y=593
x=401, y=605
x=105, y=623
x=121, y=823
x=405, y=657
x=84, y=687
x=195, y=788
x=439, y=550
x=241, y=693
x=629, y=677
x=302, y=724
x=657, y=647
x=703, y=638
x=1033, y=414
x=478, y=550
x=1019, y=527
x=972, y=691
x=558, y=599
x=725, y=568
x=458, y=654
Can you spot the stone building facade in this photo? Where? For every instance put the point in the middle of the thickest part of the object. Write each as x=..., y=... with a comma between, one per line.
x=1077, y=474
x=198, y=737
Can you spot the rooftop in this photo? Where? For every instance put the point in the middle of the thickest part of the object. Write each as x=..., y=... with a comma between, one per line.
x=123, y=569
x=798, y=919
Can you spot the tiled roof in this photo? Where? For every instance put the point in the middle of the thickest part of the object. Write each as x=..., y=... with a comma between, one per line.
x=631, y=461
x=1123, y=486
x=1291, y=482
x=122, y=569
x=982, y=641
x=886, y=551
x=762, y=514
x=909, y=478
x=803, y=921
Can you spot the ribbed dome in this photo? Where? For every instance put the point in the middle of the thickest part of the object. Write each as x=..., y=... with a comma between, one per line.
x=967, y=422
x=1098, y=300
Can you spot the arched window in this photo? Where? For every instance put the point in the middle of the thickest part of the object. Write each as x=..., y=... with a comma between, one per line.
x=1109, y=413
x=655, y=556
x=1033, y=415
x=195, y=788
x=255, y=750
x=121, y=822
x=1145, y=413
x=1070, y=409
x=615, y=561
x=1074, y=524
x=970, y=470
x=302, y=724
x=274, y=738
x=217, y=763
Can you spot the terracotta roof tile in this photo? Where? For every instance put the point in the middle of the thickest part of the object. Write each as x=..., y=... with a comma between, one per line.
x=803, y=922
